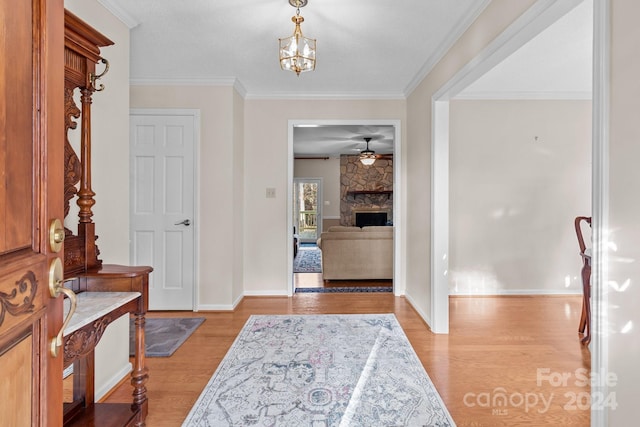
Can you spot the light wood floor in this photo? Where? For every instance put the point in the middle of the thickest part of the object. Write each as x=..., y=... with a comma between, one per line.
x=497, y=346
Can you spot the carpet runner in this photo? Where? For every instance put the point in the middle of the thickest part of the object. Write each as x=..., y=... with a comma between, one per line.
x=308, y=260
x=320, y=370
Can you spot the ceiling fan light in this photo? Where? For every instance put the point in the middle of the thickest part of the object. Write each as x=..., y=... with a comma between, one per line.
x=367, y=161
x=367, y=157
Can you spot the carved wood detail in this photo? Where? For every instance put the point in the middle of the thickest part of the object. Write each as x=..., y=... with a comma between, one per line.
x=83, y=341
x=72, y=166
x=20, y=299
x=81, y=54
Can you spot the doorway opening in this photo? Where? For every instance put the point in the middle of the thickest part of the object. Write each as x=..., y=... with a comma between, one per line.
x=307, y=219
x=307, y=214
x=534, y=22
x=308, y=222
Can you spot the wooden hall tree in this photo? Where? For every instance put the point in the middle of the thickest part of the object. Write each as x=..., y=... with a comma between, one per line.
x=107, y=291
x=31, y=194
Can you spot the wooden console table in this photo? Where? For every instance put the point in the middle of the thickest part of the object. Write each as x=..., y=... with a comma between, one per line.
x=103, y=296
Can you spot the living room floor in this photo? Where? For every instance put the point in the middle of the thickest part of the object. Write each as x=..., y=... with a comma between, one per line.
x=314, y=280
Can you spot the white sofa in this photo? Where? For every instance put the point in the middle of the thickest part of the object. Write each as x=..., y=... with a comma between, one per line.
x=354, y=253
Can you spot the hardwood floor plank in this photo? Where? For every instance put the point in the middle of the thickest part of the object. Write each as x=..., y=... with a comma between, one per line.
x=511, y=347
x=315, y=280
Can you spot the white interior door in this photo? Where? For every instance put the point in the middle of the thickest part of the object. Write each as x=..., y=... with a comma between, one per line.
x=162, y=204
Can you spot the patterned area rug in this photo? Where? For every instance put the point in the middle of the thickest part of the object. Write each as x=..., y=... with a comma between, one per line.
x=308, y=260
x=163, y=336
x=320, y=370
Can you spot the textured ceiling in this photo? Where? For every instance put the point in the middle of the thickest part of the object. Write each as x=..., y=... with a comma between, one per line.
x=333, y=140
x=372, y=48
x=556, y=64
x=366, y=49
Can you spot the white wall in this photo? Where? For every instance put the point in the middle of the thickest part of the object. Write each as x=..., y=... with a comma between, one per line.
x=624, y=212
x=520, y=172
x=496, y=17
x=238, y=199
x=266, y=157
x=221, y=184
x=244, y=150
x=110, y=176
x=329, y=171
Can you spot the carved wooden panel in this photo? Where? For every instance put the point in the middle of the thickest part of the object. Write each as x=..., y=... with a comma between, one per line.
x=20, y=299
x=21, y=294
x=72, y=166
x=83, y=341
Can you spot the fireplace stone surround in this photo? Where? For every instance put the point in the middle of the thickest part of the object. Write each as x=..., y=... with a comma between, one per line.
x=364, y=218
x=365, y=189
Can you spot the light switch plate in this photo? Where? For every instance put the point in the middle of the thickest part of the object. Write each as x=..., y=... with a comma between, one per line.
x=271, y=193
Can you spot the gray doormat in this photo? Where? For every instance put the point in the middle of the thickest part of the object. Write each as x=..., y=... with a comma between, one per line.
x=163, y=336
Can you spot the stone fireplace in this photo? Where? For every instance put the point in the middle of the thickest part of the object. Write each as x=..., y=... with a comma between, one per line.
x=366, y=192
x=363, y=218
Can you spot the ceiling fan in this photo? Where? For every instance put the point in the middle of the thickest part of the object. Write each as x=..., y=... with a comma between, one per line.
x=368, y=156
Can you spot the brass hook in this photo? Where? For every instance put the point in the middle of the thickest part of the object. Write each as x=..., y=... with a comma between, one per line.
x=93, y=77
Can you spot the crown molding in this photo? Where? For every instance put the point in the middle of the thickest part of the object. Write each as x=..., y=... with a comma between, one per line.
x=453, y=36
x=524, y=96
x=327, y=96
x=184, y=81
x=219, y=81
x=242, y=91
x=117, y=11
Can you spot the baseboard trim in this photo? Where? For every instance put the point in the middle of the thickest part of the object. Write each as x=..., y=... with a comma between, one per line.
x=278, y=293
x=113, y=382
x=237, y=301
x=215, y=307
x=232, y=306
x=426, y=319
x=521, y=292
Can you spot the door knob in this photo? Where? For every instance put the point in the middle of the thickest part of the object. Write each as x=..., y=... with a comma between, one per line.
x=56, y=287
x=185, y=222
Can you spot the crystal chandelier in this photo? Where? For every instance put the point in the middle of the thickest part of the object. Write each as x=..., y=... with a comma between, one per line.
x=297, y=53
